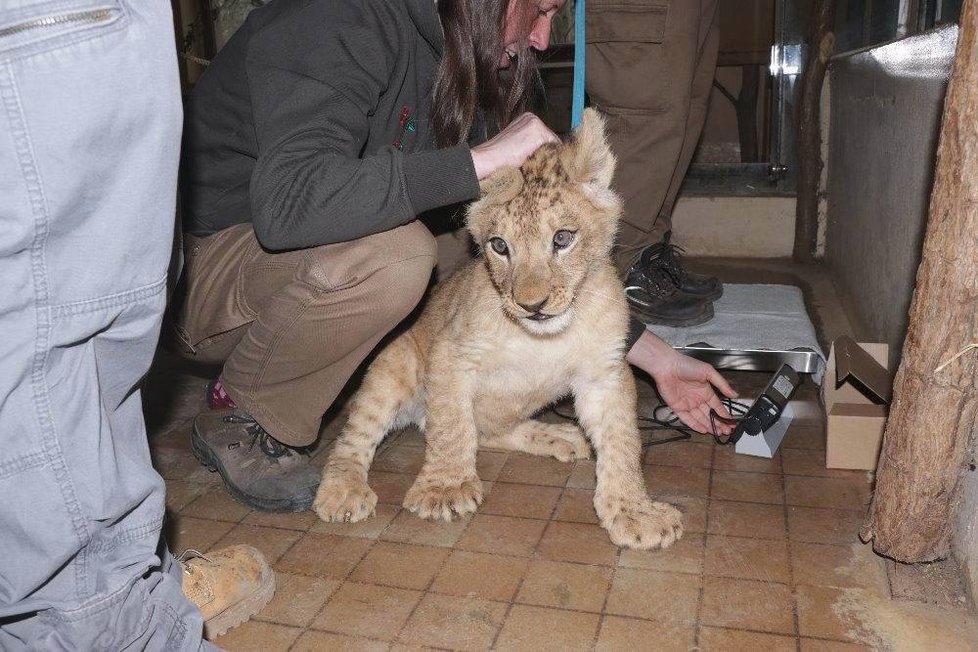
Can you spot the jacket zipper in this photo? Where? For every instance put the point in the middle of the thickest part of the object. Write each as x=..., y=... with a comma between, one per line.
x=93, y=16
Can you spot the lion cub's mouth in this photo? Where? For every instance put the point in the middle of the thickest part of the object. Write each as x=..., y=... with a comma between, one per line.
x=539, y=316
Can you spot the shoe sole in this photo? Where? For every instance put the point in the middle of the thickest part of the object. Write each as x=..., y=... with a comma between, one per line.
x=244, y=610
x=206, y=457
x=656, y=320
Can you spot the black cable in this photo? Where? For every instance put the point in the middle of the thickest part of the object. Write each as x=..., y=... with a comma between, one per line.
x=664, y=418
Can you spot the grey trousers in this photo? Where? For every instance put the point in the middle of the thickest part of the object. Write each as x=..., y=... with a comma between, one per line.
x=89, y=138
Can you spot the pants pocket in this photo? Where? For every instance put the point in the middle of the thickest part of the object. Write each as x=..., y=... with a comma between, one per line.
x=632, y=21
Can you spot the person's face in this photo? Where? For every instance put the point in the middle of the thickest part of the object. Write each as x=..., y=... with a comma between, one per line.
x=527, y=26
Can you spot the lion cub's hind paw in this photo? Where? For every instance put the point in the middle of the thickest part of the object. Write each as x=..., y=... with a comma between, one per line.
x=564, y=441
x=445, y=502
x=344, y=500
x=647, y=527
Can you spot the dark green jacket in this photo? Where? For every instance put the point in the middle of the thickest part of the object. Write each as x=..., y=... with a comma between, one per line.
x=313, y=123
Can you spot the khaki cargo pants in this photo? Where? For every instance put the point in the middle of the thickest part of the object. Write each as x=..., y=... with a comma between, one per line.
x=292, y=327
x=650, y=68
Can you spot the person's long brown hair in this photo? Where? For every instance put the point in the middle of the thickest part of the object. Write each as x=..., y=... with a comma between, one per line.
x=468, y=79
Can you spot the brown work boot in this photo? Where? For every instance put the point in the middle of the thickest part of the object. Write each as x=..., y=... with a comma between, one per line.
x=229, y=586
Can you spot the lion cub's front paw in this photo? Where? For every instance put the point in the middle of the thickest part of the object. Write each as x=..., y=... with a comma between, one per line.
x=344, y=499
x=647, y=526
x=435, y=500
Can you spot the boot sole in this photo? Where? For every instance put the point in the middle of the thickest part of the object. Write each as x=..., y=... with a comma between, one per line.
x=244, y=610
x=657, y=320
x=206, y=457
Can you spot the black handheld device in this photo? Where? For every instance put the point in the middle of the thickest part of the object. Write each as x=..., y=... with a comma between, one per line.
x=768, y=407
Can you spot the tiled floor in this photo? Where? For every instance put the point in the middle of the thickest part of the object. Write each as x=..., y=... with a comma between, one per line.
x=770, y=559
x=769, y=546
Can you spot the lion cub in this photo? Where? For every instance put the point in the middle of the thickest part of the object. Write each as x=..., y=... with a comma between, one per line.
x=541, y=315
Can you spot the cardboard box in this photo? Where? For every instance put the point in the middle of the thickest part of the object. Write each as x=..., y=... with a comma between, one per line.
x=855, y=392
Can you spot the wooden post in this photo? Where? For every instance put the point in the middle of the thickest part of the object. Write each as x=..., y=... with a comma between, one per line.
x=929, y=437
x=821, y=43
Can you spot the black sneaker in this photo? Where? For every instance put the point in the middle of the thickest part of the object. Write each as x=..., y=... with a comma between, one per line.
x=257, y=469
x=655, y=299
x=667, y=257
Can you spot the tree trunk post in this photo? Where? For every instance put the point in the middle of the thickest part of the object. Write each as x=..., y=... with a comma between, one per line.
x=929, y=436
x=821, y=43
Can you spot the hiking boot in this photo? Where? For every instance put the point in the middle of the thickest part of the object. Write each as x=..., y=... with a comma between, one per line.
x=667, y=257
x=654, y=298
x=257, y=469
x=229, y=586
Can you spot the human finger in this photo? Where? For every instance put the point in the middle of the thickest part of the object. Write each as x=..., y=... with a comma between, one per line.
x=721, y=383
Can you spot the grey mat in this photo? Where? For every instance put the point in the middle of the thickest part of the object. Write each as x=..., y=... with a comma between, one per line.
x=753, y=317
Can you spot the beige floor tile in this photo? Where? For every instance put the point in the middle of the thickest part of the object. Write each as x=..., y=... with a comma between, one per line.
x=522, y=500
x=300, y=521
x=684, y=556
x=488, y=464
x=810, y=462
x=297, y=600
x=815, y=525
x=258, y=636
x=582, y=476
x=576, y=505
x=747, y=487
x=182, y=532
x=180, y=464
x=577, y=542
x=817, y=645
x=180, y=493
x=541, y=629
x=817, y=618
x=809, y=437
x=409, y=528
x=725, y=458
x=501, y=535
x=746, y=604
x=390, y=487
x=618, y=634
x=687, y=454
x=368, y=528
x=376, y=612
x=838, y=493
x=400, y=459
x=216, y=505
x=400, y=564
x=313, y=641
x=410, y=436
x=747, y=520
x=677, y=480
x=715, y=639
x=852, y=566
x=271, y=542
x=449, y=622
x=653, y=595
x=693, y=509
x=480, y=575
x=749, y=559
x=324, y=555
x=565, y=586
x=534, y=469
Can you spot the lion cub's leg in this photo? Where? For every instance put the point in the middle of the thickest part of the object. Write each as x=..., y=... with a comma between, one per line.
x=388, y=391
x=606, y=409
x=447, y=485
x=565, y=441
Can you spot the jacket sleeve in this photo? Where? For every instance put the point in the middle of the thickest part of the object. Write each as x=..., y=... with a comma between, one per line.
x=314, y=84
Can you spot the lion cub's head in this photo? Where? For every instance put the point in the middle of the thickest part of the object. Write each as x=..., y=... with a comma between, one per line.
x=545, y=227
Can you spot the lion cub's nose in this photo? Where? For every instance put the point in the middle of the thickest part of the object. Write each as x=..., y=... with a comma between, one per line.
x=531, y=307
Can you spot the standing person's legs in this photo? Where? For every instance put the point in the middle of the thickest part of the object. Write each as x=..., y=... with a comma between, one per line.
x=90, y=124
x=292, y=327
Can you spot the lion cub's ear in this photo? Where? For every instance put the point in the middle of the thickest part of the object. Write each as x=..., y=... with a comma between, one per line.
x=589, y=161
x=501, y=186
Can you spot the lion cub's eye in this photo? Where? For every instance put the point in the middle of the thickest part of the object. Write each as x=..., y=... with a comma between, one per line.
x=499, y=246
x=563, y=239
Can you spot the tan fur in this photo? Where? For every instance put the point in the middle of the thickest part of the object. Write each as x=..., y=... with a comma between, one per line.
x=473, y=369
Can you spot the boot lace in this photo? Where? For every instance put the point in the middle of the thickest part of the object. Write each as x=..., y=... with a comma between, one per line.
x=260, y=437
